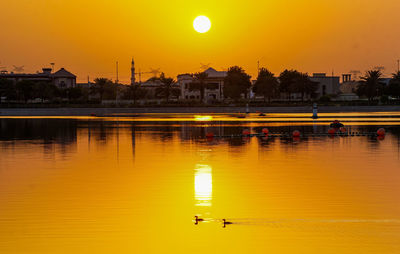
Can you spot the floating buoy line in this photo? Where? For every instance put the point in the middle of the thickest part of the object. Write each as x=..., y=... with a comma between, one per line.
x=297, y=134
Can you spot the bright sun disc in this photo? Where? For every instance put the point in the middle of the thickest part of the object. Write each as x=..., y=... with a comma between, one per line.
x=202, y=24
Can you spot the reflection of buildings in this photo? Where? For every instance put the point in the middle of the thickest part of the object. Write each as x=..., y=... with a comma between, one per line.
x=60, y=131
x=54, y=135
x=203, y=185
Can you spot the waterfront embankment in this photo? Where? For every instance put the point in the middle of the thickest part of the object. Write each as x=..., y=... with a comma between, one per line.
x=194, y=110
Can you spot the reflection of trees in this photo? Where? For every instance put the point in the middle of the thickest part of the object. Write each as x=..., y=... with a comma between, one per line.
x=64, y=131
x=60, y=131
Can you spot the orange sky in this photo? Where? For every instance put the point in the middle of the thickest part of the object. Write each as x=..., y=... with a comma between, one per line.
x=88, y=37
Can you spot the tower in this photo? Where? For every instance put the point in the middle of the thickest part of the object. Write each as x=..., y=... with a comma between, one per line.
x=133, y=72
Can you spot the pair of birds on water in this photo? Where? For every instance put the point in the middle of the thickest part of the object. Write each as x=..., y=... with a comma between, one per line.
x=224, y=222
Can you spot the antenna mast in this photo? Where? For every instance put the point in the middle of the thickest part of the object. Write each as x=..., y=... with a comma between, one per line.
x=116, y=81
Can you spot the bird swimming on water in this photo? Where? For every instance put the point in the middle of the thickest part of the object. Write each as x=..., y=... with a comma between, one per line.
x=226, y=223
x=197, y=220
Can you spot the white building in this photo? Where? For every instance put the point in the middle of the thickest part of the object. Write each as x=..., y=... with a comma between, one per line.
x=214, y=90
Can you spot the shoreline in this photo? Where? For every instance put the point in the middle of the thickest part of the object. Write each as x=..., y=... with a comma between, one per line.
x=194, y=110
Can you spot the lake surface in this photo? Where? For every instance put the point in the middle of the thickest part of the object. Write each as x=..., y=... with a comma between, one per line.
x=133, y=184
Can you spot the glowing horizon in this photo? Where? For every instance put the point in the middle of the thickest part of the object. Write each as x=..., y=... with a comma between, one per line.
x=87, y=38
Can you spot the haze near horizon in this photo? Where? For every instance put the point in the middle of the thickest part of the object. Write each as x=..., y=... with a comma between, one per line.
x=88, y=37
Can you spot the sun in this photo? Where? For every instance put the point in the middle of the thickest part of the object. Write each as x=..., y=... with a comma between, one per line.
x=202, y=24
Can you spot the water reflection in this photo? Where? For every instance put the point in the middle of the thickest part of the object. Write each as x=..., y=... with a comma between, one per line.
x=127, y=185
x=203, y=185
x=66, y=132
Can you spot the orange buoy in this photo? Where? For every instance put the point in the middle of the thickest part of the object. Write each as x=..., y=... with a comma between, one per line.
x=331, y=131
x=296, y=134
x=210, y=135
x=381, y=132
x=265, y=131
x=246, y=132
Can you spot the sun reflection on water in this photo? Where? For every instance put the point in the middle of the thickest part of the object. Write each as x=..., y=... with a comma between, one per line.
x=203, y=118
x=203, y=185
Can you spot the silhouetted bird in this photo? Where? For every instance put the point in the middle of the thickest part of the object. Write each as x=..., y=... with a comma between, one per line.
x=197, y=220
x=226, y=222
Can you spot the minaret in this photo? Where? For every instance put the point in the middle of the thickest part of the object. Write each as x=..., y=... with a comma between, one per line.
x=133, y=72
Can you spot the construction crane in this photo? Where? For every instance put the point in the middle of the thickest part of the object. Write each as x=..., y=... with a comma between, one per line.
x=155, y=72
x=18, y=69
x=204, y=67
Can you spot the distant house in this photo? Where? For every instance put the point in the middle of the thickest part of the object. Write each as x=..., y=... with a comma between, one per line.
x=215, y=86
x=62, y=78
x=151, y=86
x=327, y=85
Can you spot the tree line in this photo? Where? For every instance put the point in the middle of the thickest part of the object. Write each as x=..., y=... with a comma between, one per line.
x=26, y=90
x=372, y=87
x=237, y=85
x=101, y=89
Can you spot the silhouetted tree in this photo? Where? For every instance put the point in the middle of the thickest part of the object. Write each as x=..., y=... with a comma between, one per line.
x=7, y=89
x=199, y=84
x=266, y=85
x=45, y=90
x=25, y=89
x=236, y=83
x=103, y=86
x=304, y=85
x=134, y=92
x=288, y=79
x=73, y=93
x=393, y=88
x=370, y=86
x=166, y=89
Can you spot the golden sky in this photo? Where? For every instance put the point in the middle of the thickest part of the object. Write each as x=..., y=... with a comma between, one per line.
x=87, y=37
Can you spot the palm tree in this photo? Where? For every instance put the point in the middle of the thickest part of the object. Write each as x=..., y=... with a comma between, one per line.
x=236, y=83
x=394, y=85
x=199, y=84
x=370, y=85
x=167, y=86
x=100, y=86
x=396, y=76
x=266, y=85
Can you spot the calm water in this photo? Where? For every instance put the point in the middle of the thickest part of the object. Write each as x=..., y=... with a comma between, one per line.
x=134, y=184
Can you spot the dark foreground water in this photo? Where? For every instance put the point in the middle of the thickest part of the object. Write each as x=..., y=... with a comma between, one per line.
x=134, y=184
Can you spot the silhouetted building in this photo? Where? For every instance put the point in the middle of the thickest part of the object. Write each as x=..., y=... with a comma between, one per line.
x=133, y=72
x=62, y=78
x=214, y=90
x=327, y=85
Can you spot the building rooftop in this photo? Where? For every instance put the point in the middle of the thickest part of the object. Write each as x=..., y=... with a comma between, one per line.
x=212, y=73
x=63, y=73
